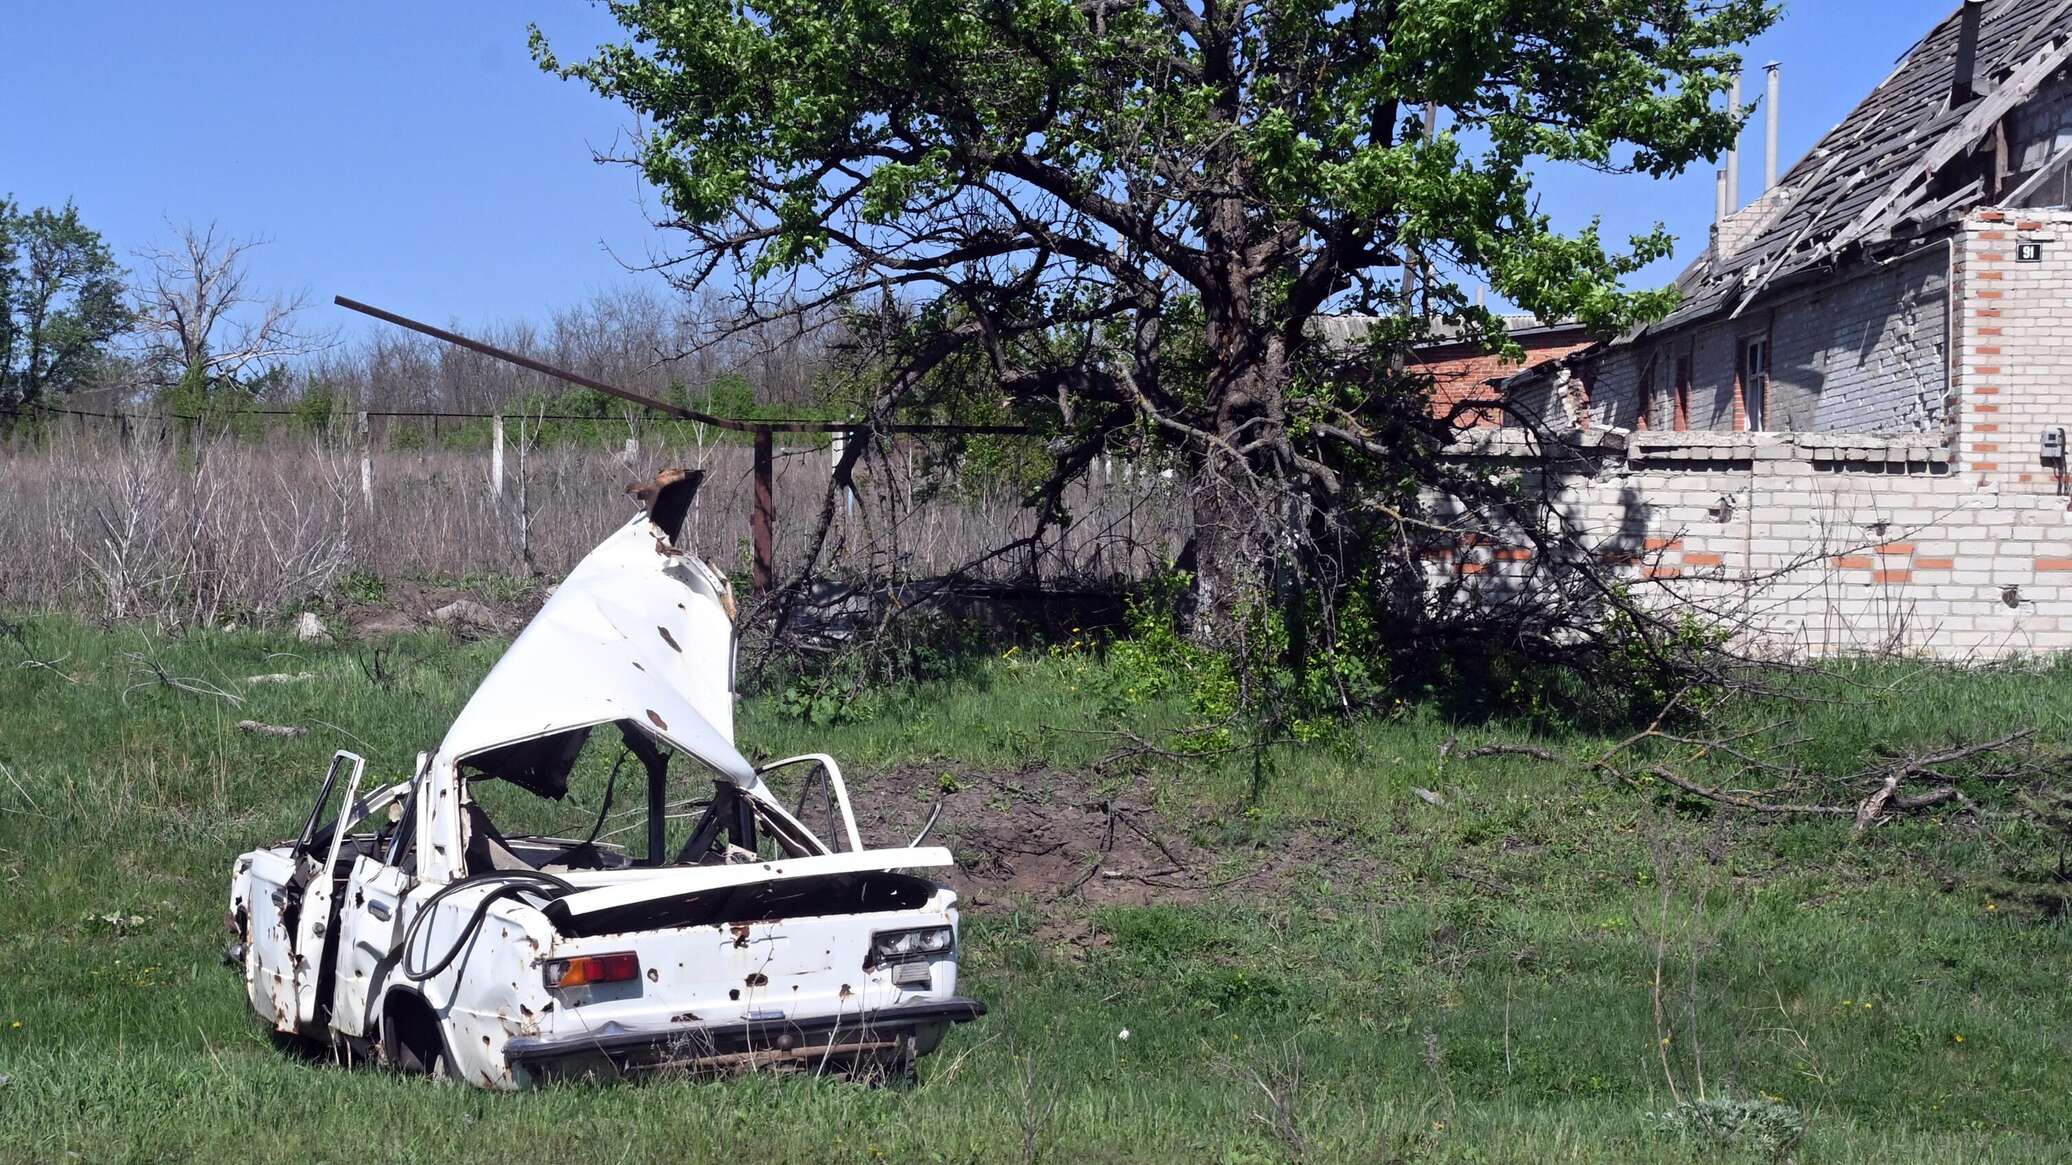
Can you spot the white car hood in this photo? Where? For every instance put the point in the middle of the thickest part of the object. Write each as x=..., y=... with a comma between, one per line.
x=638, y=631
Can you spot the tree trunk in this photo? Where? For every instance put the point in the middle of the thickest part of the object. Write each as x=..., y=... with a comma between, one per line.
x=1229, y=572
x=1237, y=497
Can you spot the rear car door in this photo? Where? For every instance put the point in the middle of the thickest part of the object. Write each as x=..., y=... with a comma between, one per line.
x=370, y=920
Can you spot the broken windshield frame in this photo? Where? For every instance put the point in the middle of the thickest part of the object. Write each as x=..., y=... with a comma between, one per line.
x=607, y=816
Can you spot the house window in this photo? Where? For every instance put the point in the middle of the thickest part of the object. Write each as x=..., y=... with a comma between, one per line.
x=1682, y=403
x=1647, y=398
x=1755, y=383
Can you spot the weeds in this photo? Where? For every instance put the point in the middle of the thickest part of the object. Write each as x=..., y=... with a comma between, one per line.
x=1762, y=1127
x=1429, y=984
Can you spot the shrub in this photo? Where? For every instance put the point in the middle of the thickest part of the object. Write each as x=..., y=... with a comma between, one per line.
x=1733, y=1124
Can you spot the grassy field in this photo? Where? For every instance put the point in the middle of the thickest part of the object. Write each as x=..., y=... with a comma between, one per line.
x=1472, y=982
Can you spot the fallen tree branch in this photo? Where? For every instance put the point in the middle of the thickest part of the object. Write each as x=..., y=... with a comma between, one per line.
x=1737, y=800
x=1512, y=750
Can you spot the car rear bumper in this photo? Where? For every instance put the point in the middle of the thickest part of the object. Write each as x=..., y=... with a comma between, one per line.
x=834, y=1041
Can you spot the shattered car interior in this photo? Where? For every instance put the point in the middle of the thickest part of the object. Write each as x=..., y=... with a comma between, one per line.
x=587, y=877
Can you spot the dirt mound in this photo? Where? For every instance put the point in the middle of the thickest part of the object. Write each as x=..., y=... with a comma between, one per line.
x=406, y=605
x=1043, y=835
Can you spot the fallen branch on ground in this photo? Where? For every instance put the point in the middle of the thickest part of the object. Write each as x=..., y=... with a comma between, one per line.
x=1891, y=786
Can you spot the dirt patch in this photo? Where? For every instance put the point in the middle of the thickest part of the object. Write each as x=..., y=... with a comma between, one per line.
x=1040, y=837
x=408, y=605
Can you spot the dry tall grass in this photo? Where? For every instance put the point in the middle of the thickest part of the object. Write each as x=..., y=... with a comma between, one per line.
x=205, y=529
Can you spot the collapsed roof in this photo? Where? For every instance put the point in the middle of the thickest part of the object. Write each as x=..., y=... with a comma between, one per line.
x=1899, y=165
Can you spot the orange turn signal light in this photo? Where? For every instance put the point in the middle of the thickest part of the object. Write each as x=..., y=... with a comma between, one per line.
x=584, y=970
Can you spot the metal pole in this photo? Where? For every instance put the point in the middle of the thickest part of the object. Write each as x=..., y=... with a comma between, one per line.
x=1734, y=151
x=760, y=526
x=1770, y=130
x=1413, y=263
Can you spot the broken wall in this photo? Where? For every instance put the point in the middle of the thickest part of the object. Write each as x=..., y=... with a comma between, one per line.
x=2039, y=131
x=1863, y=355
x=1813, y=544
x=1544, y=400
x=1869, y=355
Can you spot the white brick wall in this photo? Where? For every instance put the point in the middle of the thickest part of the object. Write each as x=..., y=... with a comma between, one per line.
x=1819, y=547
x=2014, y=365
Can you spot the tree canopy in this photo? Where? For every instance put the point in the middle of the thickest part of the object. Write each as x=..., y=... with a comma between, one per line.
x=61, y=303
x=1130, y=213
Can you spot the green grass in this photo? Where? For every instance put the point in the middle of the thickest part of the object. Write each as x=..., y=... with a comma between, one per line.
x=1466, y=984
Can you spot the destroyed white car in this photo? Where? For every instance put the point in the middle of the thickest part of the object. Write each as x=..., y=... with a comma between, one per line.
x=692, y=916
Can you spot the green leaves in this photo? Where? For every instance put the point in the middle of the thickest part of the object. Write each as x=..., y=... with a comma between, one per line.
x=829, y=133
x=1121, y=221
x=61, y=302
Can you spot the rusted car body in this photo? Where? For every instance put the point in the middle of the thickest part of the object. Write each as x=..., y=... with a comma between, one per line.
x=736, y=926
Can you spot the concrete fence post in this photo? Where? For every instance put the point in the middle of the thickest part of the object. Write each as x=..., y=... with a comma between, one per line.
x=835, y=450
x=365, y=436
x=496, y=457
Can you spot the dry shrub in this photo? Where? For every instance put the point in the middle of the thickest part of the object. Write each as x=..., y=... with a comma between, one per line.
x=191, y=529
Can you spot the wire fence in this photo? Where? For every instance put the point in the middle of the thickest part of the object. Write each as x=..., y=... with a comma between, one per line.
x=200, y=518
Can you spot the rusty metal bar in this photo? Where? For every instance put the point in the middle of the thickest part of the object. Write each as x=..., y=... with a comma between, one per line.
x=761, y=526
x=782, y=1055
x=661, y=406
x=541, y=367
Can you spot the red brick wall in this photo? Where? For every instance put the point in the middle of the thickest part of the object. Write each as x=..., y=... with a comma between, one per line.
x=1462, y=372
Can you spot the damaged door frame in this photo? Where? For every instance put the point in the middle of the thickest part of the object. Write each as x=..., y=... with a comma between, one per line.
x=834, y=781
x=314, y=929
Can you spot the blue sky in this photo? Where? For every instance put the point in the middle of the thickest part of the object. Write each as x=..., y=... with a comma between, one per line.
x=411, y=155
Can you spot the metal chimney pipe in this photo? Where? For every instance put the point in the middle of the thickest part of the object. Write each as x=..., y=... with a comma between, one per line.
x=1770, y=131
x=1963, y=85
x=1734, y=151
x=1719, y=199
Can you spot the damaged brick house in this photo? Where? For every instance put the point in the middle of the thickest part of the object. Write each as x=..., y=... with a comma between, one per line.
x=1911, y=276
x=1461, y=369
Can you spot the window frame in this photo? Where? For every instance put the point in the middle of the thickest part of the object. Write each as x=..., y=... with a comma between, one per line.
x=1754, y=382
x=1681, y=388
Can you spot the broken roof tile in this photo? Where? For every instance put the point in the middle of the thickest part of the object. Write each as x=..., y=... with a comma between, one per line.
x=1877, y=166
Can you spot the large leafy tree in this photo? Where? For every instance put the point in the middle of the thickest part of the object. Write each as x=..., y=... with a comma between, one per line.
x=1130, y=212
x=61, y=303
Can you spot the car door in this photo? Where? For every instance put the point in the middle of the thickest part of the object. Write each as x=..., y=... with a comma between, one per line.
x=282, y=924
x=370, y=920
x=319, y=858
x=271, y=913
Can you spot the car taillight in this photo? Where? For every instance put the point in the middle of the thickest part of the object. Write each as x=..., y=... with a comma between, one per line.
x=584, y=970
x=905, y=946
